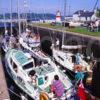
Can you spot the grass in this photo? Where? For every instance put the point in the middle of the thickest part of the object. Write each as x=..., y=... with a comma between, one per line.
x=79, y=30
x=84, y=31
x=47, y=25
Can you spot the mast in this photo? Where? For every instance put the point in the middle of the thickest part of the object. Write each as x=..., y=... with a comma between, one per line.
x=43, y=15
x=65, y=4
x=25, y=7
x=30, y=17
x=95, y=4
x=19, y=23
x=4, y=17
x=69, y=10
x=11, y=16
x=63, y=35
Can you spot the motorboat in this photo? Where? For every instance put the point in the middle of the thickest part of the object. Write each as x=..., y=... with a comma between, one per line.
x=65, y=59
x=20, y=65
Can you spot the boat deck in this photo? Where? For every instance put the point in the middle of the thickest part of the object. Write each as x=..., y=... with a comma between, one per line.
x=4, y=95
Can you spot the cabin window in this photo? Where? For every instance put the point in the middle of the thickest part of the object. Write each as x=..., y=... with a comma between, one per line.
x=28, y=66
x=11, y=61
x=15, y=67
x=61, y=58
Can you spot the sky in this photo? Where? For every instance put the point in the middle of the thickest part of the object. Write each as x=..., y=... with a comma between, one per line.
x=45, y=6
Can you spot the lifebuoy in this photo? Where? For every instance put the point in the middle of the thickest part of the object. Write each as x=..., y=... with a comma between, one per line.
x=43, y=96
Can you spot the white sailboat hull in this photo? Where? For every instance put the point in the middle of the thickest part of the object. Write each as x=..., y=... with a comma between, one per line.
x=17, y=81
x=45, y=70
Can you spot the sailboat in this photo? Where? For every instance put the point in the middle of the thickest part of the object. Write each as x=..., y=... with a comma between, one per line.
x=32, y=44
x=21, y=66
x=69, y=60
x=9, y=41
x=65, y=59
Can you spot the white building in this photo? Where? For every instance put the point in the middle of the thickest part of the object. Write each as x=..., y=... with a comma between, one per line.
x=83, y=15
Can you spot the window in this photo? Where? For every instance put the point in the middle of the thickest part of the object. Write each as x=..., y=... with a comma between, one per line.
x=61, y=58
x=28, y=66
x=15, y=67
x=11, y=61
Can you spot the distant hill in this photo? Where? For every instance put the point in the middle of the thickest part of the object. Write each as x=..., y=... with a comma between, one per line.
x=30, y=16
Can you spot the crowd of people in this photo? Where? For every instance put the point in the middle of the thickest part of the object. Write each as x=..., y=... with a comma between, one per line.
x=94, y=26
x=10, y=40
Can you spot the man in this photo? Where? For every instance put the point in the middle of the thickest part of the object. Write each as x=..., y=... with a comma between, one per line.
x=97, y=23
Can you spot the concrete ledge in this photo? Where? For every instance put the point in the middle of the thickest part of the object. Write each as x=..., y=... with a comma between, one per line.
x=4, y=95
x=94, y=38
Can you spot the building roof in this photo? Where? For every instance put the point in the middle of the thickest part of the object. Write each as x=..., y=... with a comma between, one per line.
x=83, y=13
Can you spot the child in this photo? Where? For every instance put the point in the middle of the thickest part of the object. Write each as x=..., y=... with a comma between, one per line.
x=32, y=76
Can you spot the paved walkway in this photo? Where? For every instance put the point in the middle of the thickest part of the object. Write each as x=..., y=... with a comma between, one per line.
x=4, y=95
x=0, y=40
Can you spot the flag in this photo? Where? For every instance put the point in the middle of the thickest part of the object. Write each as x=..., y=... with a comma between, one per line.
x=81, y=91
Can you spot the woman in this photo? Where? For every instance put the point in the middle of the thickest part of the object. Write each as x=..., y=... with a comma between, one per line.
x=57, y=86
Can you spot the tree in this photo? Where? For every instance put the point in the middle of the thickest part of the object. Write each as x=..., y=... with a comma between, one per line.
x=98, y=13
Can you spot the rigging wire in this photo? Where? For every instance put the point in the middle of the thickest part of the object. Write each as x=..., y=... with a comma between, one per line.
x=17, y=95
x=26, y=11
x=48, y=27
x=95, y=4
x=14, y=93
x=11, y=30
x=35, y=18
